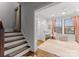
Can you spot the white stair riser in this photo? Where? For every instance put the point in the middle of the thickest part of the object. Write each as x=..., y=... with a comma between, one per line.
x=22, y=53
x=11, y=34
x=13, y=43
x=14, y=53
x=14, y=49
x=13, y=38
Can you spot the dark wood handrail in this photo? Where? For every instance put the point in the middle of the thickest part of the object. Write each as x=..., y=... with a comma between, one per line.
x=1, y=39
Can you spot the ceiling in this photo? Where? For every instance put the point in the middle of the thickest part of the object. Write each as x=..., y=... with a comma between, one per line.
x=64, y=9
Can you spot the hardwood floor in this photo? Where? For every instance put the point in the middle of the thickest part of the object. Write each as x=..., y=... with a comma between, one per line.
x=42, y=53
x=39, y=42
x=32, y=54
x=29, y=54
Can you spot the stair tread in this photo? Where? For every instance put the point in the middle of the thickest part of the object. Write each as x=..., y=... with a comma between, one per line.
x=13, y=38
x=22, y=53
x=15, y=45
x=18, y=51
x=14, y=49
x=14, y=42
x=12, y=34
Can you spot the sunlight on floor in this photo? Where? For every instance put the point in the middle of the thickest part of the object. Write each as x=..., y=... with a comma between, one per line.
x=39, y=42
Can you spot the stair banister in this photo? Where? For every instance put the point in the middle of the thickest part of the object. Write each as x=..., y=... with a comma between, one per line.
x=1, y=39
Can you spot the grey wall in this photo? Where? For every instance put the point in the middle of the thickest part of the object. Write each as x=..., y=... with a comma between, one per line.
x=7, y=14
x=27, y=21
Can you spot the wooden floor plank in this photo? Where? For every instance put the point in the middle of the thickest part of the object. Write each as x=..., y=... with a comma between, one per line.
x=39, y=42
x=42, y=53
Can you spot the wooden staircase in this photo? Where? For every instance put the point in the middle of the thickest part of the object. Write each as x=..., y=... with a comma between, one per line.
x=15, y=45
x=12, y=44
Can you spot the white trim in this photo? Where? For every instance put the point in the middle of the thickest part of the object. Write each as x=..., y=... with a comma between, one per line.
x=35, y=40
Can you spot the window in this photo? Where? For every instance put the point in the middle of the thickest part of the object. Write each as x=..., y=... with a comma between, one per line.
x=68, y=26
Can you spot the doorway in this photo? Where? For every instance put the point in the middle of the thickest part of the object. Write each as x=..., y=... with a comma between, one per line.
x=64, y=13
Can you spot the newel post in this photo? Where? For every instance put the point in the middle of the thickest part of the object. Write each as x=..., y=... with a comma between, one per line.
x=1, y=39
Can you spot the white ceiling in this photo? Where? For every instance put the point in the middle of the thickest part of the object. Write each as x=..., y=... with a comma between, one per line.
x=65, y=9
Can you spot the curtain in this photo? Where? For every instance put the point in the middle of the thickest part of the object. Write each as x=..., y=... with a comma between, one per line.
x=76, y=25
x=53, y=24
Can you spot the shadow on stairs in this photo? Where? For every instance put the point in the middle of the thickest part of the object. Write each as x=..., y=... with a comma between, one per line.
x=16, y=45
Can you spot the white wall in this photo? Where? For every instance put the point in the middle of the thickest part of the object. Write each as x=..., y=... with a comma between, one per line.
x=42, y=28
x=28, y=20
x=7, y=14
x=27, y=25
